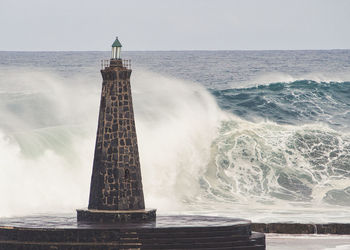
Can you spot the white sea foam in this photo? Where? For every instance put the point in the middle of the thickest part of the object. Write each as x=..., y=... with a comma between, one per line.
x=194, y=156
x=273, y=162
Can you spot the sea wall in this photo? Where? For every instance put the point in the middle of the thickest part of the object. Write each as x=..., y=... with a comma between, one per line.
x=302, y=228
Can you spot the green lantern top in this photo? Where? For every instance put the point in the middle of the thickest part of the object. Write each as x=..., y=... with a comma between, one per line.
x=116, y=43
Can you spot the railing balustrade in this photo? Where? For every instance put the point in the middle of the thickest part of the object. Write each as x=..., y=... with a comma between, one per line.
x=106, y=63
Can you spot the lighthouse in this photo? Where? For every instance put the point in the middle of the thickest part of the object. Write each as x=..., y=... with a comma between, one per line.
x=116, y=217
x=116, y=192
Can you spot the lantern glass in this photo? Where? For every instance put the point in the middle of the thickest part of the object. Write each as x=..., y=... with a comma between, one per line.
x=116, y=52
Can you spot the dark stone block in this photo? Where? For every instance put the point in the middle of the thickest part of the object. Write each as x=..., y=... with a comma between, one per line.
x=109, y=199
x=110, y=179
x=109, y=117
x=259, y=227
x=114, y=143
x=333, y=228
x=116, y=216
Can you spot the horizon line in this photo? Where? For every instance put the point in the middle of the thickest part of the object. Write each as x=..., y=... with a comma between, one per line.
x=189, y=50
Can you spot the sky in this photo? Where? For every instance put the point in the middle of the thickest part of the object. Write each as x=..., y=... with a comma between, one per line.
x=86, y=25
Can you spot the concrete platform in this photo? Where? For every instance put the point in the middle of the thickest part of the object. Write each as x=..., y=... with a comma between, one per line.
x=166, y=232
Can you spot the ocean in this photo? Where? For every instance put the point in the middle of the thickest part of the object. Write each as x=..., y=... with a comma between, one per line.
x=261, y=135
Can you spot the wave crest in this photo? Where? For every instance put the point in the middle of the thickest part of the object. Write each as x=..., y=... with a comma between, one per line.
x=298, y=102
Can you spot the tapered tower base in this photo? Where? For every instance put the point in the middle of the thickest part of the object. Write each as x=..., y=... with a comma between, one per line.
x=113, y=216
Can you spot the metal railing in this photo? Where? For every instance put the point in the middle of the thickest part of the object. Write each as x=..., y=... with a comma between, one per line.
x=106, y=63
x=127, y=63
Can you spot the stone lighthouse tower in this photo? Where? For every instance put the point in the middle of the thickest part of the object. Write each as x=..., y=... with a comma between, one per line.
x=116, y=192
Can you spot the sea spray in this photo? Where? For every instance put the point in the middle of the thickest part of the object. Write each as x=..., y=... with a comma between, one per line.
x=43, y=183
x=176, y=122
x=45, y=142
x=52, y=156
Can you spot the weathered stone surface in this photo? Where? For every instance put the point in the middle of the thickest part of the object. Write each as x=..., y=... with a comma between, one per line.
x=259, y=227
x=291, y=228
x=116, y=178
x=333, y=228
x=112, y=216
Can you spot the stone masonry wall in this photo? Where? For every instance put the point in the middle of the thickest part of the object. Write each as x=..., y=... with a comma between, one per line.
x=116, y=179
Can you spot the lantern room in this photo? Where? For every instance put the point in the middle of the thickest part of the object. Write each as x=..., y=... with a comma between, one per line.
x=116, y=49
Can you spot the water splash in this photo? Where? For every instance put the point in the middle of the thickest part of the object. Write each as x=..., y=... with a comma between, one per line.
x=266, y=162
x=194, y=155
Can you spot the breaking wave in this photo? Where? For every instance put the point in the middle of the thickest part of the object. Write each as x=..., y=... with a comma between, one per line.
x=267, y=144
x=297, y=102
